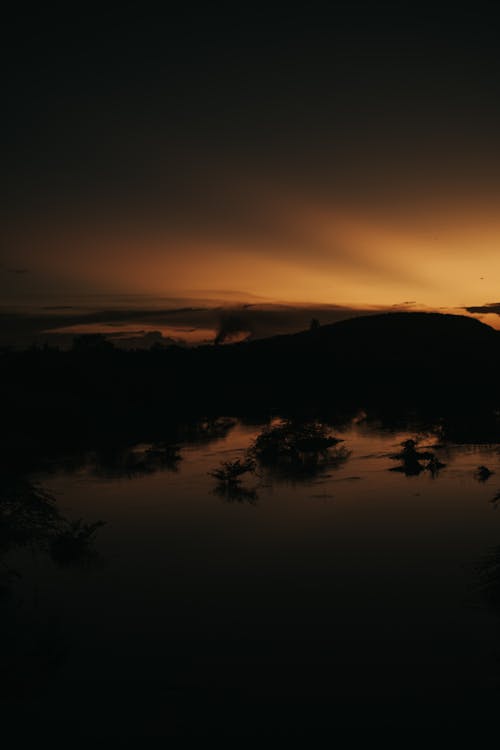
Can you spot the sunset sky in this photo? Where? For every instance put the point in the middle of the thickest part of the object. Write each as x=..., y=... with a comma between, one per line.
x=247, y=157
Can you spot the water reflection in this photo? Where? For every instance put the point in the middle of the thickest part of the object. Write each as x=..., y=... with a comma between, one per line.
x=229, y=481
x=298, y=450
x=412, y=460
x=205, y=431
x=29, y=516
x=233, y=492
x=33, y=646
x=482, y=473
x=495, y=500
x=489, y=578
x=272, y=559
x=136, y=461
x=73, y=543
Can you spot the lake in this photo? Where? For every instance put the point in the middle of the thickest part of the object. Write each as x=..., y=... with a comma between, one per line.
x=346, y=589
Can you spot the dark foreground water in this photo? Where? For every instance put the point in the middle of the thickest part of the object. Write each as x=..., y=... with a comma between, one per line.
x=338, y=596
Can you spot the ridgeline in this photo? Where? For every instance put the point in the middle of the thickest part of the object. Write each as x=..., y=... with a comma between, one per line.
x=421, y=360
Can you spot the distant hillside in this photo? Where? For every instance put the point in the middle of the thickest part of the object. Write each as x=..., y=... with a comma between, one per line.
x=392, y=333
x=385, y=353
x=421, y=359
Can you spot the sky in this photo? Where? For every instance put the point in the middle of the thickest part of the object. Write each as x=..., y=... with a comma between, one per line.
x=338, y=162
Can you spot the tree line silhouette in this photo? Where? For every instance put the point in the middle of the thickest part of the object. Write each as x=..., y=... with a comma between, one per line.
x=436, y=363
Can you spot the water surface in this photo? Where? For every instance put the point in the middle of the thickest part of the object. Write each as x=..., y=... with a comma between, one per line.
x=348, y=595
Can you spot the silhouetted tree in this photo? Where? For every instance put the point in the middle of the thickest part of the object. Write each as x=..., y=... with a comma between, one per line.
x=92, y=342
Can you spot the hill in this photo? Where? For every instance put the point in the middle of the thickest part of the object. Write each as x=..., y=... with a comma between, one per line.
x=388, y=333
x=398, y=353
x=421, y=359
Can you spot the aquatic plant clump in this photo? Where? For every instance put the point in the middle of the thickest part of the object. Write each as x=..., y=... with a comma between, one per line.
x=291, y=440
x=483, y=473
x=412, y=460
x=29, y=516
x=298, y=450
x=232, y=471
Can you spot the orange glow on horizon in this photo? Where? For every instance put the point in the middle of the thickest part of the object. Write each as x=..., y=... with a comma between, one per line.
x=299, y=253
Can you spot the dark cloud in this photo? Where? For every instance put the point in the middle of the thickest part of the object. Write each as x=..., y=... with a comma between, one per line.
x=60, y=324
x=231, y=324
x=490, y=308
x=58, y=307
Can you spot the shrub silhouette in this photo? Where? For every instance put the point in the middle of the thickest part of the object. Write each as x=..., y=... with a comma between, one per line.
x=29, y=516
x=232, y=471
x=411, y=460
x=298, y=449
x=229, y=485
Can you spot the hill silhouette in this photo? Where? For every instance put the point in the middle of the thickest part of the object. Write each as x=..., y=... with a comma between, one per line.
x=402, y=354
x=408, y=359
x=400, y=335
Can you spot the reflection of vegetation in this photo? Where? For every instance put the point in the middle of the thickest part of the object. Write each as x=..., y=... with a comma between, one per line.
x=137, y=461
x=115, y=456
x=164, y=456
x=29, y=516
x=482, y=473
x=229, y=476
x=495, y=500
x=143, y=458
x=290, y=440
x=205, y=430
x=489, y=578
x=230, y=472
x=411, y=460
x=32, y=645
x=298, y=449
x=434, y=466
x=234, y=492
x=72, y=544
